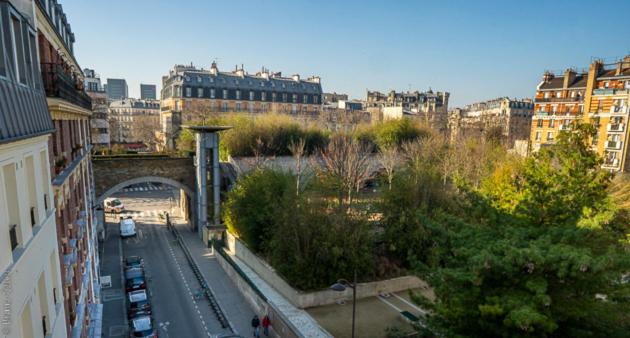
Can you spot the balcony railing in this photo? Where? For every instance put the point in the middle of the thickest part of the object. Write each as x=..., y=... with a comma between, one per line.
x=59, y=84
x=559, y=99
x=611, y=162
x=610, y=91
x=613, y=145
x=618, y=127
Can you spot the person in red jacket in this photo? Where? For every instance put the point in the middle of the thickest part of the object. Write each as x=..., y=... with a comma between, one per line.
x=265, y=324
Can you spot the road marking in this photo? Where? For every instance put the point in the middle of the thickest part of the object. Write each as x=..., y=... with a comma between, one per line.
x=410, y=304
x=390, y=304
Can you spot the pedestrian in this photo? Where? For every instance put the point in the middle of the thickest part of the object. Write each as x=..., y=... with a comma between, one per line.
x=256, y=326
x=265, y=325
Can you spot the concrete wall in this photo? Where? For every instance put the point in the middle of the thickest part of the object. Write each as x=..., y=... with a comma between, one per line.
x=304, y=300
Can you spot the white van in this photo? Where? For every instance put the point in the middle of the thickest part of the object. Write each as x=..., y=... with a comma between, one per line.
x=113, y=205
x=127, y=227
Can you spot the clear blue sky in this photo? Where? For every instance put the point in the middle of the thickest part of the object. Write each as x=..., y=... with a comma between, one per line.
x=476, y=50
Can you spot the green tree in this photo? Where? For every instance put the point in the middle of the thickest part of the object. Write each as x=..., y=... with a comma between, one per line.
x=540, y=252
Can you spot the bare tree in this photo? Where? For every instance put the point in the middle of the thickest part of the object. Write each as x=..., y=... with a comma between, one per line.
x=348, y=162
x=297, y=149
x=199, y=112
x=389, y=158
x=144, y=129
x=259, y=159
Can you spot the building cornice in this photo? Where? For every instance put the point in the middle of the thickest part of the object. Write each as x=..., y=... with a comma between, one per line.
x=64, y=110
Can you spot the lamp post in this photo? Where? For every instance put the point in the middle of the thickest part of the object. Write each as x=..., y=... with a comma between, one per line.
x=341, y=286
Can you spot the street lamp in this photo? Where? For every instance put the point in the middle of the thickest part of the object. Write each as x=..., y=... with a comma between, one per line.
x=341, y=286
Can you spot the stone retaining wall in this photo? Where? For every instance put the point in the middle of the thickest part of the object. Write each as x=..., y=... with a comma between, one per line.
x=304, y=300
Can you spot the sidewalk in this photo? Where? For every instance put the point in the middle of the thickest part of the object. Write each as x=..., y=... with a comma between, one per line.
x=235, y=307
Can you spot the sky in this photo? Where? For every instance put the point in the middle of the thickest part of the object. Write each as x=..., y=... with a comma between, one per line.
x=476, y=50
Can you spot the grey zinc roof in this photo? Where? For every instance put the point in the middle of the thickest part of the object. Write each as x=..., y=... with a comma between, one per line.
x=230, y=80
x=23, y=112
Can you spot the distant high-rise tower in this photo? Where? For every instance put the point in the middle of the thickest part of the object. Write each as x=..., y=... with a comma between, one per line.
x=117, y=89
x=147, y=91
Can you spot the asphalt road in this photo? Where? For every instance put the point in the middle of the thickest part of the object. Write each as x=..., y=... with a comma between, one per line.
x=171, y=282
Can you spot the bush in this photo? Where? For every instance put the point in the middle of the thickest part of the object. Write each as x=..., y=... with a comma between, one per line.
x=391, y=133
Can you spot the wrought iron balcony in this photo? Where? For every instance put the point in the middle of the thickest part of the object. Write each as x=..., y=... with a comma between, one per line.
x=616, y=127
x=615, y=145
x=559, y=99
x=58, y=83
x=611, y=162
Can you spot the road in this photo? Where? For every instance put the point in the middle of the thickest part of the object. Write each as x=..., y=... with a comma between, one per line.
x=171, y=282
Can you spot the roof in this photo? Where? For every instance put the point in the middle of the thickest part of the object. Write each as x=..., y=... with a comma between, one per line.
x=137, y=296
x=142, y=323
x=558, y=82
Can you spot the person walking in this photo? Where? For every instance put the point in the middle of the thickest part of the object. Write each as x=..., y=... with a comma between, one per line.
x=256, y=326
x=265, y=325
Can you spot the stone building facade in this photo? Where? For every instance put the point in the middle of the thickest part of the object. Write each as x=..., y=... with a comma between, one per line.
x=600, y=96
x=190, y=94
x=505, y=118
x=134, y=121
x=427, y=107
x=99, y=124
x=69, y=152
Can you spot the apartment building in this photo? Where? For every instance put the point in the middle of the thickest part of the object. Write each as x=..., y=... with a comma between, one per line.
x=508, y=119
x=134, y=121
x=72, y=181
x=600, y=96
x=31, y=286
x=191, y=94
x=99, y=124
x=428, y=107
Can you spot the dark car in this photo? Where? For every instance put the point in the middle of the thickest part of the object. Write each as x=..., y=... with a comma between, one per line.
x=142, y=327
x=134, y=262
x=138, y=313
x=134, y=284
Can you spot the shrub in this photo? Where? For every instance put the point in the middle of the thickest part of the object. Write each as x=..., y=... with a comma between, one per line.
x=391, y=133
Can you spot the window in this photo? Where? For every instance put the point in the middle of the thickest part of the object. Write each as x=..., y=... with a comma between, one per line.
x=238, y=106
x=251, y=95
x=284, y=97
x=293, y=109
x=305, y=100
x=238, y=94
x=273, y=97
x=294, y=98
x=263, y=96
x=538, y=136
x=212, y=93
x=554, y=108
x=549, y=136
x=606, y=84
x=13, y=236
x=551, y=123
x=539, y=123
x=225, y=94
x=188, y=92
x=18, y=49
x=250, y=107
x=315, y=97
x=559, y=94
x=546, y=95
x=199, y=79
x=213, y=105
x=199, y=92
x=225, y=107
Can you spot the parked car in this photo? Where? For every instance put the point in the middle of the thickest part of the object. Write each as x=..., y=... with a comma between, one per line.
x=113, y=205
x=136, y=283
x=138, y=313
x=134, y=262
x=138, y=301
x=131, y=273
x=127, y=227
x=142, y=327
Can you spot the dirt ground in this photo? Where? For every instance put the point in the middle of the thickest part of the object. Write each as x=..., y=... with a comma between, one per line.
x=374, y=315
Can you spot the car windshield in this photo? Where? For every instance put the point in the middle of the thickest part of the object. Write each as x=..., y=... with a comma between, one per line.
x=116, y=202
x=133, y=260
x=137, y=296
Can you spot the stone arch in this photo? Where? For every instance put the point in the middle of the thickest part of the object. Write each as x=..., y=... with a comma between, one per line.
x=145, y=179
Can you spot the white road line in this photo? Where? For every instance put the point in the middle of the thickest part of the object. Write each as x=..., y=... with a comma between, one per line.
x=390, y=304
x=410, y=304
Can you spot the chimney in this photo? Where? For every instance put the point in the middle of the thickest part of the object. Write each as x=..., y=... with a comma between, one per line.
x=547, y=76
x=315, y=79
x=569, y=78
x=296, y=77
x=214, y=70
x=622, y=65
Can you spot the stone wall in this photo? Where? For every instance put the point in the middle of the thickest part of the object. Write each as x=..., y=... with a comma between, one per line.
x=111, y=170
x=304, y=300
